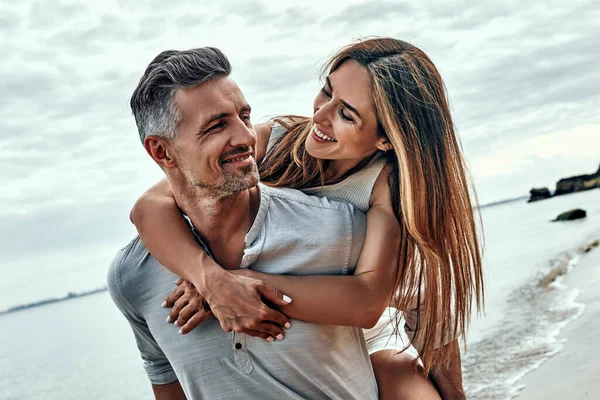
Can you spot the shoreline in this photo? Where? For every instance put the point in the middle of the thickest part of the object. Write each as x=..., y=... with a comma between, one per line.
x=572, y=373
x=40, y=303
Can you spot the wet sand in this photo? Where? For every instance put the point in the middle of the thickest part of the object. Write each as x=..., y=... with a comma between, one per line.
x=574, y=373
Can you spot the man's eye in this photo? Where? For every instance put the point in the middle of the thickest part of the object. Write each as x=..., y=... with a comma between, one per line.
x=215, y=127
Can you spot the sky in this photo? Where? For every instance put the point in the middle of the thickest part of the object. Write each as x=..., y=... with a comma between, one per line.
x=523, y=80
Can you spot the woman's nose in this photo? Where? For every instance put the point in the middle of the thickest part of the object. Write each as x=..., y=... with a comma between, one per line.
x=321, y=113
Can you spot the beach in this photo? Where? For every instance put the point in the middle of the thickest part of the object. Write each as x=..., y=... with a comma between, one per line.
x=573, y=373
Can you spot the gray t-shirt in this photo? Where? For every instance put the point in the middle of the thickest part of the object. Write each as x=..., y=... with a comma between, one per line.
x=292, y=234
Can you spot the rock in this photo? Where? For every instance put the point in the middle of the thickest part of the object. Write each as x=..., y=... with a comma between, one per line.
x=539, y=194
x=578, y=183
x=576, y=213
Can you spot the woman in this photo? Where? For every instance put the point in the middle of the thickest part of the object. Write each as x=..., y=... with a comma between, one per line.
x=382, y=138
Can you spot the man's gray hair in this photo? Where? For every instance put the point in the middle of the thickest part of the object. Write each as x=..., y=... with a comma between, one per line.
x=152, y=100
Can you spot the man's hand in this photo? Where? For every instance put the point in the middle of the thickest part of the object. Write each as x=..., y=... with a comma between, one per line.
x=448, y=379
x=237, y=301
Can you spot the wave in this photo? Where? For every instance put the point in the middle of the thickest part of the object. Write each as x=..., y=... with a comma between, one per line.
x=68, y=296
x=527, y=336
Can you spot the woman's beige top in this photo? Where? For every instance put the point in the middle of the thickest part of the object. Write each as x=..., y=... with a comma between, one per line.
x=356, y=189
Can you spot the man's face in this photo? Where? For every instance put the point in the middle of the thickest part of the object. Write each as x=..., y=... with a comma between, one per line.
x=214, y=148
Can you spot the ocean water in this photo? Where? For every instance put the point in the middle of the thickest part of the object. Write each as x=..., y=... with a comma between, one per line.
x=83, y=347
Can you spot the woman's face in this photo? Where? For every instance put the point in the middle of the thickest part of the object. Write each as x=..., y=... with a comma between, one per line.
x=344, y=122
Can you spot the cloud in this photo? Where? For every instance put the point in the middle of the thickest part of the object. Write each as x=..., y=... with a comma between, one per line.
x=277, y=73
x=8, y=20
x=522, y=78
x=50, y=13
x=358, y=14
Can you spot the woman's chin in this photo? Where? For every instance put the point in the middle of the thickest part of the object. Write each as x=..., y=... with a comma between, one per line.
x=313, y=150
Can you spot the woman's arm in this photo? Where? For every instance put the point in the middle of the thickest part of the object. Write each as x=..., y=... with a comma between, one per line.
x=447, y=376
x=355, y=300
x=168, y=237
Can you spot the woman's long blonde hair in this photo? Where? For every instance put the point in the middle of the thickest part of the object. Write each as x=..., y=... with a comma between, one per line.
x=440, y=259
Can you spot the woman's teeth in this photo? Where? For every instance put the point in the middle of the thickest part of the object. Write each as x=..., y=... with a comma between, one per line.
x=323, y=136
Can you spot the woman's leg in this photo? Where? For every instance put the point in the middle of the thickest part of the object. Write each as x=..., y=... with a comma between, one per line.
x=399, y=379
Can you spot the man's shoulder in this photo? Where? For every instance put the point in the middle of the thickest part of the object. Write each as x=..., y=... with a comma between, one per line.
x=133, y=253
x=125, y=267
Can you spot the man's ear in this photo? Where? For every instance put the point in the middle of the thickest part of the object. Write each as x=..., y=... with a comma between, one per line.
x=157, y=148
x=384, y=145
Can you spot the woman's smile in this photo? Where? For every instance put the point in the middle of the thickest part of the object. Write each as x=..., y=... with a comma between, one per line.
x=320, y=137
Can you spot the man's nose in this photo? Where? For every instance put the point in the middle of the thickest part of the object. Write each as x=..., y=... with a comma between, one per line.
x=243, y=135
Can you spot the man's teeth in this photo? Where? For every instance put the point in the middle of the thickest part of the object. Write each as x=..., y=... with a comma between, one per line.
x=236, y=159
x=322, y=135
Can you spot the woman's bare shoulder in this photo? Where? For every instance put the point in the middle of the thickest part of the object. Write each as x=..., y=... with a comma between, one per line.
x=263, y=133
x=381, y=195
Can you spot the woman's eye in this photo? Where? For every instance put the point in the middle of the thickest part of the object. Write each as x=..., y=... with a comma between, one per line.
x=325, y=92
x=344, y=116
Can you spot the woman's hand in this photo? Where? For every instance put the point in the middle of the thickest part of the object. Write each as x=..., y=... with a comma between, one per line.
x=190, y=309
x=238, y=313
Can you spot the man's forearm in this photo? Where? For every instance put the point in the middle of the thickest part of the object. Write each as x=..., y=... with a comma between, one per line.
x=447, y=377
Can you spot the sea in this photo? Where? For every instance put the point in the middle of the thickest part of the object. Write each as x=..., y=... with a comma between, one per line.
x=82, y=347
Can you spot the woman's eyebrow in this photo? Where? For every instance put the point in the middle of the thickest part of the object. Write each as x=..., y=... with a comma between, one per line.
x=348, y=106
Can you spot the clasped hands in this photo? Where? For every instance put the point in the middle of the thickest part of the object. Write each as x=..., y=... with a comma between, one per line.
x=240, y=303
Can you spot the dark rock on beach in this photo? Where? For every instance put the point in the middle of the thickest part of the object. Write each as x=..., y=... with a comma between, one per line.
x=539, y=194
x=578, y=183
x=570, y=215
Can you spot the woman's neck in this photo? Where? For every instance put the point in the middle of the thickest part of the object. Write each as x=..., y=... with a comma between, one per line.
x=339, y=169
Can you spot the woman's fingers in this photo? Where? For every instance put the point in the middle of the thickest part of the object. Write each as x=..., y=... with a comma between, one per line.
x=259, y=334
x=195, y=320
x=272, y=330
x=273, y=295
x=177, y=307
x=275, y=316
x=185, y=314
x=174, y=296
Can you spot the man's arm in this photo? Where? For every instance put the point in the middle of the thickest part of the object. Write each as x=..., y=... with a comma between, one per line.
x=157, y=366
x=170, y=391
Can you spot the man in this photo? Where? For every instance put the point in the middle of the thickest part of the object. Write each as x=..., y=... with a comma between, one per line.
x=195, y=124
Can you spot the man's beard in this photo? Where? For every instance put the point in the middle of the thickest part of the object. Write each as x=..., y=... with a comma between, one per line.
x=231, y=183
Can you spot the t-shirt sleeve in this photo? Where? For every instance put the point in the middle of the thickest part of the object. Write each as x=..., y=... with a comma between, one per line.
x=156, y=364
x=277, y=132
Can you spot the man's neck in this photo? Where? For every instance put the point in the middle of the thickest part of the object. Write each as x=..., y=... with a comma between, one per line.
x=221, y=222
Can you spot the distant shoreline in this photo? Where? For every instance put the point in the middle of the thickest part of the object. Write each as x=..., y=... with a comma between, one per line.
x=69, y=296
x=499, y=202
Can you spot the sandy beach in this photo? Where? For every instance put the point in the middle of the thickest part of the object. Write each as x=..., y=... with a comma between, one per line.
x=574, y=373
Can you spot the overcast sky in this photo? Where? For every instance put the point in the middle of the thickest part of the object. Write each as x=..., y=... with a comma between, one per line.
x=523, y=79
